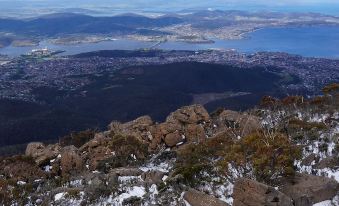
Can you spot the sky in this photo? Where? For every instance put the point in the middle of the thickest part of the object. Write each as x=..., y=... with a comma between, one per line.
x=109, y=7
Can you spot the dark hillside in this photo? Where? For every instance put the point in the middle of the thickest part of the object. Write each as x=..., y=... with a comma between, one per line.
x=130, y=93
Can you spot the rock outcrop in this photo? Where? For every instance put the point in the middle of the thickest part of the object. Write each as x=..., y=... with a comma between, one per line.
x=41, y=153
x=126, y=171
x=139, y=128
x=329, y=162
x=193, y=114
x=196, y=198
x=252, y=193
x=153, y=176
x=307, y=189
x=96, y=150
x=185, y=125
x=146, y=163
x=71, y=162
x=245, y=123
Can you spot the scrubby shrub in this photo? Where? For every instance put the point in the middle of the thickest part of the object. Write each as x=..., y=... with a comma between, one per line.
x=336, y=148
x=16, y=167
x=299, y=124
x=323, y=147
x=73, y=193
x=128, y=151
x=270, y=155
x=319, y=101
x=132, y=201
x=128, y=145
x=300, y=130
x=11, y=192
x=217, y=112
x=77, y=138
x=268, y=101
x=161, y=186
x=193, y=159
x=293, y=100
x=334, y=87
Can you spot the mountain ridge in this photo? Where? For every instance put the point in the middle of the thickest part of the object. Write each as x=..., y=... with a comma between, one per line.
x=287, y=146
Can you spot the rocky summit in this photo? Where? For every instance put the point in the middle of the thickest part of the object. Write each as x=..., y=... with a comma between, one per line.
x=284, y=152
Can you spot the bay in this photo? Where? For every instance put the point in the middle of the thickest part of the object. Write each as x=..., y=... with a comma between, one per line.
x=309, y=41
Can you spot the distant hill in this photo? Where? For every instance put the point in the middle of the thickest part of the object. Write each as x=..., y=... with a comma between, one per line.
x=72, y=23
x=69, y=23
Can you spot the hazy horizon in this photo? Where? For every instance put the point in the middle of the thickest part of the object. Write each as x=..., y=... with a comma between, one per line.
x=26, y=8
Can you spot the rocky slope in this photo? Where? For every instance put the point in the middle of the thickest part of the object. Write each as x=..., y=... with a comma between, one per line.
x=284, y=152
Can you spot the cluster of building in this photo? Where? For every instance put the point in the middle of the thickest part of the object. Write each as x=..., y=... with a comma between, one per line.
x=19, y=76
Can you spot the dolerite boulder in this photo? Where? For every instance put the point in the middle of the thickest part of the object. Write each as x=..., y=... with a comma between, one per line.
x=252, y=193
x=42, y=154
x=126, y=171
x=329, y=162
x=172, y=139
x=138, y=128
x=196, y=198
x=185, y=125
x=307, y=189
x=155, y=138
x=307, y=161
x=96, y=150
x=71, y=163
x=34, y=149
x=189, y=115
x=195, y=133
x=245, y=123
x=153, y=177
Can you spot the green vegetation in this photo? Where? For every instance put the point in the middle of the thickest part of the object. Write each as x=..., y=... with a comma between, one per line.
x=73, y=193
x=10, y=192
x=128, y=151
x=271, y=155
x=126, y=145
x=193, y=159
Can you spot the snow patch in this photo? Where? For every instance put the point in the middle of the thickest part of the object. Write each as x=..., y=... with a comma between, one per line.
x=59, y=196
x=162, y=167
x=135, y=191
x=324, y=203
x=21, y=183
x=128, y=178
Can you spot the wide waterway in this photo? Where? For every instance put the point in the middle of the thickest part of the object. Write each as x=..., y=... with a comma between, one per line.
x=310, y=41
